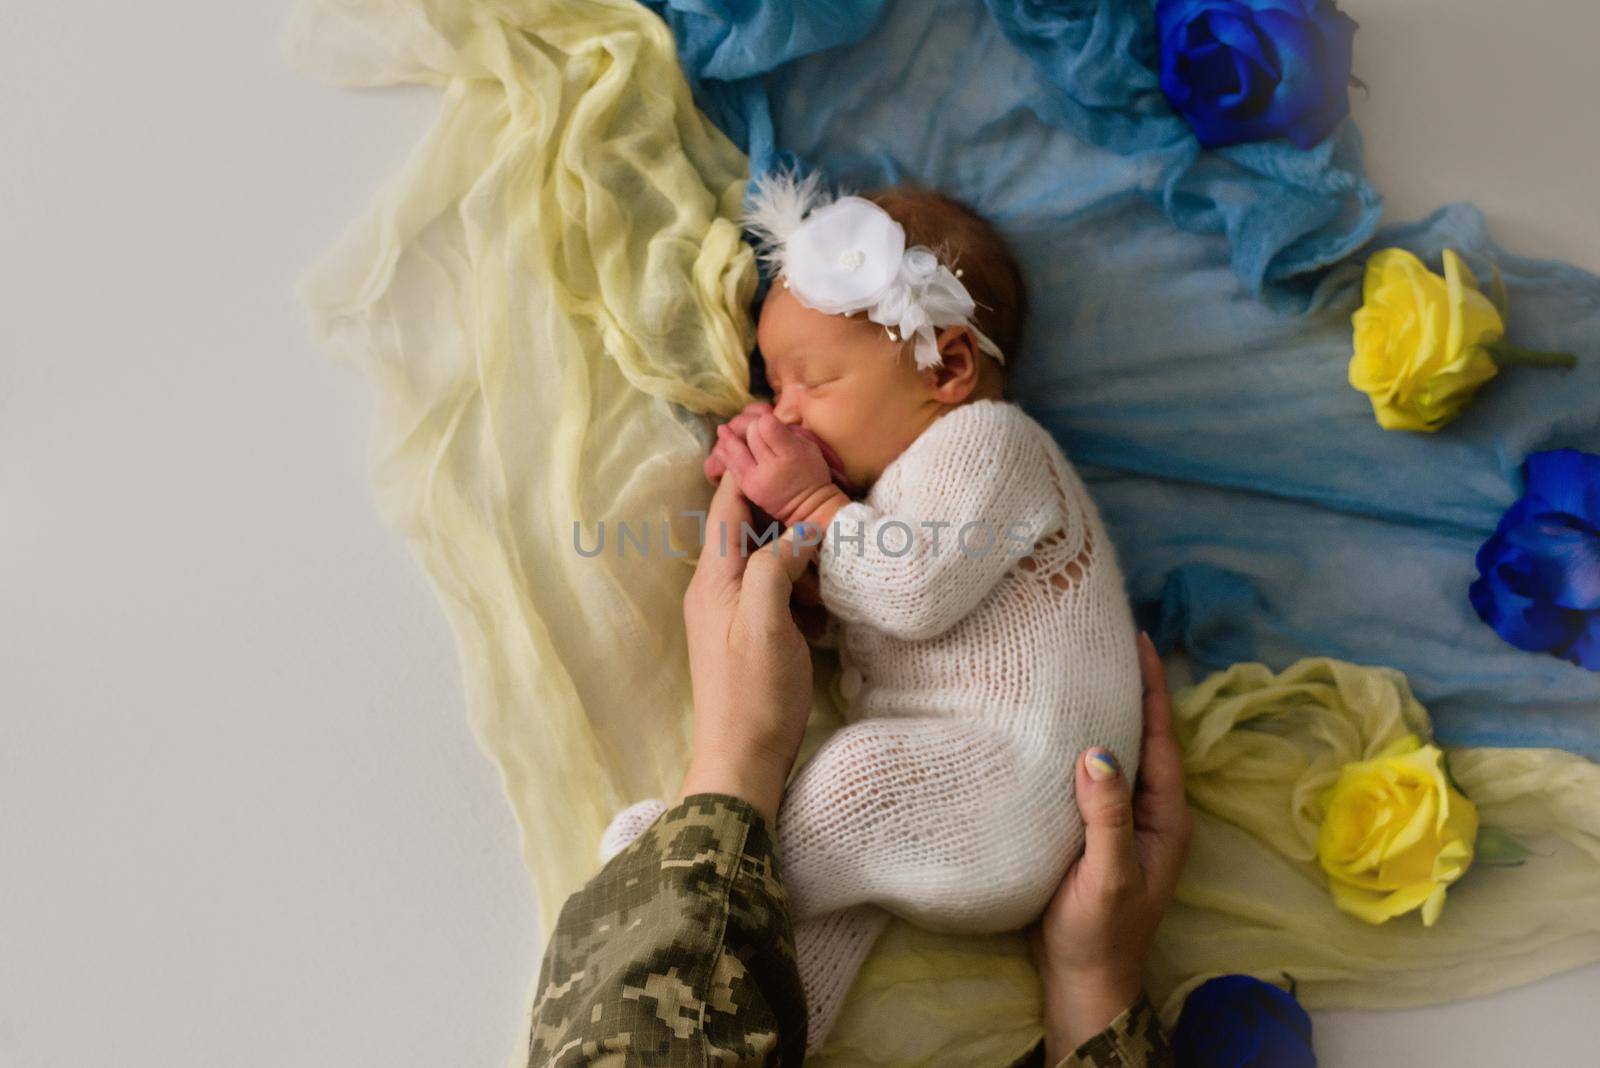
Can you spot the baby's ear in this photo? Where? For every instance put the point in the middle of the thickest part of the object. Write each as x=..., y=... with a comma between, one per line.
x=956, y=376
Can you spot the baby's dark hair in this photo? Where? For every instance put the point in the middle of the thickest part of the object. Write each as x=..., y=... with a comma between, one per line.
x=962, y=238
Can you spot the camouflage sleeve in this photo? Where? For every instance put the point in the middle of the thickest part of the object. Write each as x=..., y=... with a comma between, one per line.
x=1133, y=1040
x=679, y=951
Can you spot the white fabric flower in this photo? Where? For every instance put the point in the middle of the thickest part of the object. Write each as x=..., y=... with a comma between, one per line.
x=920, y=262
x=925, y=296
x=849, y=255
x=844, y=255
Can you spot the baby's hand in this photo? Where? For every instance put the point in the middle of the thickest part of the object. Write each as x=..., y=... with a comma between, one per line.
x=715, y=463
x=779, y=470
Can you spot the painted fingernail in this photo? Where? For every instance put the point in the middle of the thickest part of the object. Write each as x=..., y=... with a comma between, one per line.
x=1101, y=765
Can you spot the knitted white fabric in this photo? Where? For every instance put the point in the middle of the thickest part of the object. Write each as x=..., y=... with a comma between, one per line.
x=978, y=677
x=829, y=950
x=629, y=824
x=974, y=677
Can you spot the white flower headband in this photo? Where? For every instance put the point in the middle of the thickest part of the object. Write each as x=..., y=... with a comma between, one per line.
x=846, y=254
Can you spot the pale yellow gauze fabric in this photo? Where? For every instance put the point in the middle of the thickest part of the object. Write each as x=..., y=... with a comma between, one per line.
x=550, y=276
x=543, y=299
x=1259, y=750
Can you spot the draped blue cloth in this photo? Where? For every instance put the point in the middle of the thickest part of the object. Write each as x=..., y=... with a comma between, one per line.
x=1190, y=331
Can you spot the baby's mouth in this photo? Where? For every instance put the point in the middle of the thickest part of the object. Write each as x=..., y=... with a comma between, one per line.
x=835, y=465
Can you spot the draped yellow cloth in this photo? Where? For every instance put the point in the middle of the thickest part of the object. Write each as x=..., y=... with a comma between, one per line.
x=539, y=297
x=543, y=299
x=1259, y=748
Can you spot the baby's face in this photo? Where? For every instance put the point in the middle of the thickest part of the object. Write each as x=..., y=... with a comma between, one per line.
x=845, y=381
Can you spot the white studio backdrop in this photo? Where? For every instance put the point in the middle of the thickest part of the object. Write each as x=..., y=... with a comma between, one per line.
x=242, y=819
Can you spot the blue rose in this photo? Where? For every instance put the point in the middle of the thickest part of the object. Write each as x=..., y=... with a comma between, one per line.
x=1539, y=573
x=1253, y=70
x=1235, y=1021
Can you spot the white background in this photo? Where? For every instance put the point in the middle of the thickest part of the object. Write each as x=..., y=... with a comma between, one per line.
x=242, y=819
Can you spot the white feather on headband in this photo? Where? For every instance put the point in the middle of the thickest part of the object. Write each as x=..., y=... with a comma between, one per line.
x=775, y=207
x=845, y=254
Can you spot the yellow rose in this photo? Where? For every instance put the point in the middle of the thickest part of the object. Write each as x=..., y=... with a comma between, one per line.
x=1395, y=833
x=1419, y=340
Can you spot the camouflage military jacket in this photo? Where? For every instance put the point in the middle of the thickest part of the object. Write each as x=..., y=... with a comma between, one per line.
x=680, y=952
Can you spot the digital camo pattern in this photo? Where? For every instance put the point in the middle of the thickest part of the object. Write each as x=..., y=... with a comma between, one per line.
x=1133, y=1040
x=678, y=952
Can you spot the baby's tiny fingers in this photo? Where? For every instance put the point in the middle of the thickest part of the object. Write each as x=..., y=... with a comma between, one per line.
x=741, y=422
x=759, y=439
x=778, y=435
x=715, y=465
x=736, y=453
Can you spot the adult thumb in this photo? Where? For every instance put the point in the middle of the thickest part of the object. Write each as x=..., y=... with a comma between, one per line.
x=796, y=552
x=1105, y=803
x=770, y=576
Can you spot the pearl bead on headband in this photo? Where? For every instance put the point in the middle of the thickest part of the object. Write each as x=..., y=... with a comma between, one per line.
x=841, y=255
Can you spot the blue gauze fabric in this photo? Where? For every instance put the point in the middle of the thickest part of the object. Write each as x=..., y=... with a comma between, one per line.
x=1190, y=333
x=1091, y=72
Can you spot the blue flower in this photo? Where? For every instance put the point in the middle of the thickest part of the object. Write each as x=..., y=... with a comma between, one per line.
x=1236, y=1021
x=1254, y=70
x=1538, y=580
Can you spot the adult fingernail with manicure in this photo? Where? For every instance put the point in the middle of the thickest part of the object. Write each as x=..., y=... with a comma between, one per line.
x=1101, y=765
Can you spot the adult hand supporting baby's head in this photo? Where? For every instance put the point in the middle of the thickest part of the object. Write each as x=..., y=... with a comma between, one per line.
x=750, y=665
x=1091, y=943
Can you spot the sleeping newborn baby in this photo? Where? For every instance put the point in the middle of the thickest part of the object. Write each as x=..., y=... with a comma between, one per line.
x=983, y=627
